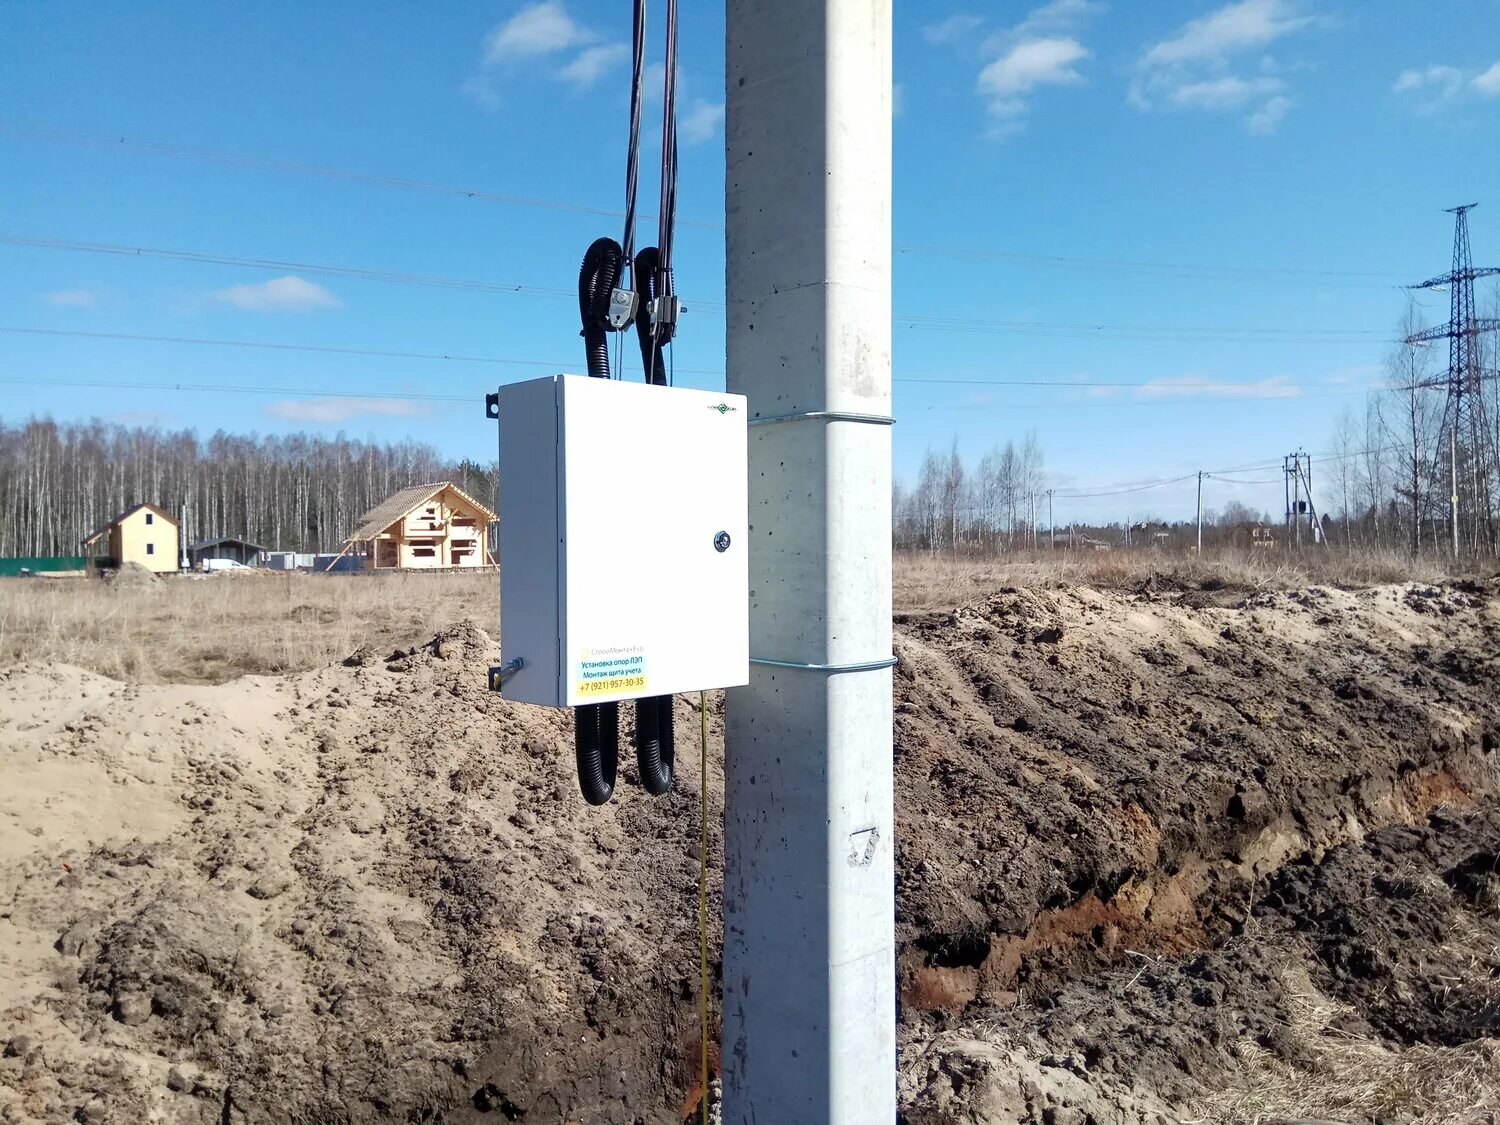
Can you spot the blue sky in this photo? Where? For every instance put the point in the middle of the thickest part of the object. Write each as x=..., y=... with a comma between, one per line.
x=1216, y=203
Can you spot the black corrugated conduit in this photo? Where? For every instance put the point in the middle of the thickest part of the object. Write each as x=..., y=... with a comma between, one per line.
x=655, y=748
x=605, y=305
x=596, y=726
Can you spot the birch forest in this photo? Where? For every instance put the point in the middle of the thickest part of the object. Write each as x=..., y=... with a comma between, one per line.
x=60, y=481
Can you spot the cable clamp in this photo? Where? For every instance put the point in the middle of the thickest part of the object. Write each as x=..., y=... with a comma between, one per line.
x=665, y=310
x=827, y=416
x=621, y=308
x=864, y=666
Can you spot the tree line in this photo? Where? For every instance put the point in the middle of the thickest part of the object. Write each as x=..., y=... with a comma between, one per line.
x=296, y=492
x=995, y=507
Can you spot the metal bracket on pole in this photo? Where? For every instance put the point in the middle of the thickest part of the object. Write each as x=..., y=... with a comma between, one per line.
x=826, y=416
x=500, y=673
x=866, y=666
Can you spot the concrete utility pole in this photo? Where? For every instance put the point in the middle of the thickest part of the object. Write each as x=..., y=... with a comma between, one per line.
x=1200, y=513
x=1051, y=527
x=809, y=896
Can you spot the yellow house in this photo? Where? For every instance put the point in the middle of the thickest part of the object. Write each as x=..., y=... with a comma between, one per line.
x=145, y=534
x=427, y=526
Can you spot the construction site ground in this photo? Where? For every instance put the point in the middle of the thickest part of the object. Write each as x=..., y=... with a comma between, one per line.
x=1168, y=850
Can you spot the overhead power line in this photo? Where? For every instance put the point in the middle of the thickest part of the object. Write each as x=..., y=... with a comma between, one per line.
x=358, y=273
x=1168, y=393
x=297, y=168
x=315, y=392
x=116, y=143
x=323, y=349
x=1144, y=331
x=237, y=388
x=946, y=324
x=1084, y=493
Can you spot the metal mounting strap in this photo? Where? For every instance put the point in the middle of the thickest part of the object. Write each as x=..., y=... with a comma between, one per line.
x=827, y=416
x=865, y=666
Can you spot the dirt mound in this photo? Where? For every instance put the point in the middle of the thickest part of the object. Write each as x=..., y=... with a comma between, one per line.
x=313, y=614
x=1136, y=833
x=130, y=577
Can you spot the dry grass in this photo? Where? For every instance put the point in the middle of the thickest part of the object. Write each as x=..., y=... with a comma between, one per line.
x=1357, y=1079
x=926, y=581
x=209, y=630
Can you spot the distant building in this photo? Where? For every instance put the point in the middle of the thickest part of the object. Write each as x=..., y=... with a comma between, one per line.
x=290, y=560
x=144, y=534
x=227, y=547
x=426, y=527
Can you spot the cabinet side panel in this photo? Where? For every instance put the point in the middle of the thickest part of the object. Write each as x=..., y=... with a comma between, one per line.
x=530, y=539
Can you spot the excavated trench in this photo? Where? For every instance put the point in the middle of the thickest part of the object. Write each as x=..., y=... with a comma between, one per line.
x=1135, y=832
x=1274, y=807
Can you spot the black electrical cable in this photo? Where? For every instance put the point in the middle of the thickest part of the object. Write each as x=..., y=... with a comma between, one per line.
x=655, y=749
x=633, y=150
x=664, y=326
x=596, y=726
x=653, y=337
x=656, y=325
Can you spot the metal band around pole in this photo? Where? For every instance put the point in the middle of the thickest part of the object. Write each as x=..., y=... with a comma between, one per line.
x=866, y=666
x=827, y=416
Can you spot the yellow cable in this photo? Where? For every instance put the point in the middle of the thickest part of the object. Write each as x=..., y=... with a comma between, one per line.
x=703, y=899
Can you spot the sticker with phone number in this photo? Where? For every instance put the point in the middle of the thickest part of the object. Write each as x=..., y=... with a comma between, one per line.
x=619, y=683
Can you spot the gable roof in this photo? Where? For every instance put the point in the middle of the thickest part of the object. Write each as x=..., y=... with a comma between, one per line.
x=394, y=507
x=204, y=543
x=103, y=529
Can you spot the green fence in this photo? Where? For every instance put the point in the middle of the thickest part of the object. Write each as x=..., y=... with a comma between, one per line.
x=12, y=568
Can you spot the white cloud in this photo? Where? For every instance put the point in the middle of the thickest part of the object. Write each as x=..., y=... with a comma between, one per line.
x=531, y=38
x=701, y=122
x=1446, y=80
x=1275, y=386
x=1237, y=27
x=954, y=29
x=593, y=63
x=1268, y=117
x=1193, y=68
x=1032, y=63
x=536, y=30
x=343, y=409
x=1229, y=92
x=280, y=294
x=1433, y=87
x=72, y=298
x=1043, y=49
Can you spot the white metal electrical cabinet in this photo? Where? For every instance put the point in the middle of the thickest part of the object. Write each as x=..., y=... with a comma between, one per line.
x=623, y=567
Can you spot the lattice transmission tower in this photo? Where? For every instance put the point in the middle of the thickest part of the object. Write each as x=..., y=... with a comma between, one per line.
x=1468, y=440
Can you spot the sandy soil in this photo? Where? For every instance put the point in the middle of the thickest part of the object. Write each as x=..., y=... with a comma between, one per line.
x=1163, y=855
